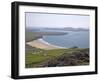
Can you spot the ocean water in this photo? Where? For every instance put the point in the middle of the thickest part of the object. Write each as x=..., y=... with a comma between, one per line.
x=78, y=39
x=72, y=39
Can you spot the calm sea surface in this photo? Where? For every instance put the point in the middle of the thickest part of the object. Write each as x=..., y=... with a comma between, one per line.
x=72, y=39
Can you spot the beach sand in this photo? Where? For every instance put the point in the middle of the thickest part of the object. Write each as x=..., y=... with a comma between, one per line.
x=40, y=43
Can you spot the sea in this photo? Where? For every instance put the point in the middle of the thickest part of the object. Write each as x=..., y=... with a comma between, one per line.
x=72, y=39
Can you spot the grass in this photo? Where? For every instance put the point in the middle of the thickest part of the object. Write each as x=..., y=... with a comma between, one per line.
x=33, y=59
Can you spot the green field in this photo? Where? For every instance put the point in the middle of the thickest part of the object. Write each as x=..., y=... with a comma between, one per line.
x=47, y=58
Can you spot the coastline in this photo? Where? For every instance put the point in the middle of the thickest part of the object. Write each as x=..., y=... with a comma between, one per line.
x=40, y=43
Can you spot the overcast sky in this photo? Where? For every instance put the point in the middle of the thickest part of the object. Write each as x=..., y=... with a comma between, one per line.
x=57, y=20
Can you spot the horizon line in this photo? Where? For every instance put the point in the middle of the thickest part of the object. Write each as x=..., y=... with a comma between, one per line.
x=53, y=27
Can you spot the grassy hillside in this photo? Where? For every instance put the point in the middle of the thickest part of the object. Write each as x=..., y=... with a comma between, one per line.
x=57, y=57
x=29, y=35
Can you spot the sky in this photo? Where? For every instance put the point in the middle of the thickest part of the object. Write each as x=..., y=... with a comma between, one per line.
x=48, y=20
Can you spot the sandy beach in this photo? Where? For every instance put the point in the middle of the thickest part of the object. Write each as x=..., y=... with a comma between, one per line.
x=40, y=43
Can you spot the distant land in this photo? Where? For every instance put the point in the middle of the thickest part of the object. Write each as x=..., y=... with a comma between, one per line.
x=63, y=28
x=30, y=35
x=69, y=29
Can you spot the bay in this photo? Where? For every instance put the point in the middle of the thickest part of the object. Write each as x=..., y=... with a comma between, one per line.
x=78, y=39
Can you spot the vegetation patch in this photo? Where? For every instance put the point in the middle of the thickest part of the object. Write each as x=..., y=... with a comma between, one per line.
x=58, y=57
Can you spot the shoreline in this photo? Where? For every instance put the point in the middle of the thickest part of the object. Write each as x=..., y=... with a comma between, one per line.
x=40, y=43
